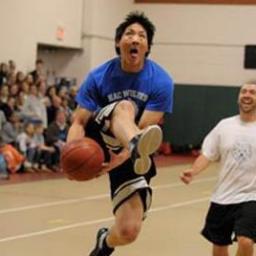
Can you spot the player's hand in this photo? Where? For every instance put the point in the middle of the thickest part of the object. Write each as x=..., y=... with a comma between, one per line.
x=187, y=176
x=115, y=161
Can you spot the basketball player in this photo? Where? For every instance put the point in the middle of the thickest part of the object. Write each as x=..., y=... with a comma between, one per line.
x=233, y=203
x=124, y=99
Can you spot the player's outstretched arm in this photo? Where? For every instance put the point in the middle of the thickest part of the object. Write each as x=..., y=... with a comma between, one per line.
x=200, y=164
x=79, y=121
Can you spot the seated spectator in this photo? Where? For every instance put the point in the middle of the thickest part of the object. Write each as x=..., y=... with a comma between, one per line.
x=53, y=108
x=14, y=90
x=45, y=154
x=3, y=73
x=51, y=92
x=4, y=94
x=29, y=79
x=67, y=109
x=2, y=119
x=56, y=133
x=11, y=129
x=9, y=107
x=72, y=95
x=34, y=109
x=20, y=77
x=27, y=146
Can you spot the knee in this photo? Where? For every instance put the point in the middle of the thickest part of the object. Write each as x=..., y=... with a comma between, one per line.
x=129, y=233
x=125, y=105
x=245, y=242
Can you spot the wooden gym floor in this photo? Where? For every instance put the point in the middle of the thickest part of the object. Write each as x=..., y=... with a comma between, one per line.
x=56, y=217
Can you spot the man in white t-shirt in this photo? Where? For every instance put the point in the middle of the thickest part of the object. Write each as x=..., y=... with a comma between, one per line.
x=232, y=142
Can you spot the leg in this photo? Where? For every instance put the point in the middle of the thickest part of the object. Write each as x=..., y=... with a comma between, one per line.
x=219, y=250
x=118, y=127
x=122, y=123
x=141, y=143
x=128, y=221
x=245, y=246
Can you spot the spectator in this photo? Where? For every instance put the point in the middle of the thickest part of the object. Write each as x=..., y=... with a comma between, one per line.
x=9, y=107
x=3, y=73
x=20, y=77
x=11, y=129
x=12, y=67
x=45, y=154
x=38, y=73
x=34, y=109
x=2, y=119
x=72, y=95
x=51, y=92
x=67, y=109
x=56, y=133
x=27, y=146
x=14, y=90
x=53, y=108
x=4, y=93
x=29, y=79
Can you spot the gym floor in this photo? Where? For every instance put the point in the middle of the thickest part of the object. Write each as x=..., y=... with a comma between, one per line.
x=54, y=216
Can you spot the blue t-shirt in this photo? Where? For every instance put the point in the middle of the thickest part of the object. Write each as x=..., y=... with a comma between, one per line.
x=151, y=88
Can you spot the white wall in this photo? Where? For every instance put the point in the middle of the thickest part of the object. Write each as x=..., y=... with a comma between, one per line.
x=24, y=24
x=198, y=44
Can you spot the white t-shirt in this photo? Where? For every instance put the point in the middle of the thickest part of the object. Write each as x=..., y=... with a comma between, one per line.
x=233, y=143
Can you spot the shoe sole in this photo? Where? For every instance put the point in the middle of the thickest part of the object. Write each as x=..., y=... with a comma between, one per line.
x=149, y=142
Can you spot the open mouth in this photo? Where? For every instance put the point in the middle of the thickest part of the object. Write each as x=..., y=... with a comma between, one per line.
x=246, y=101
x=134, y=52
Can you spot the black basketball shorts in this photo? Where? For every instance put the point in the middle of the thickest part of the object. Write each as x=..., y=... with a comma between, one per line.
x=224, y=223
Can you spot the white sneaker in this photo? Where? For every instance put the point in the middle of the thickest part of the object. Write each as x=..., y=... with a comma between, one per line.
x=143, y=146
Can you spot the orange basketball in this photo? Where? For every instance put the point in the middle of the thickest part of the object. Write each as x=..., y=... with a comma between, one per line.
x=82, y=159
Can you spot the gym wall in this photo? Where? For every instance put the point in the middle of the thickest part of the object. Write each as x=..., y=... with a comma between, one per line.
x=197, y=109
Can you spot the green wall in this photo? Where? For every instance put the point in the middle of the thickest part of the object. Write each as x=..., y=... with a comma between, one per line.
x=197, y=109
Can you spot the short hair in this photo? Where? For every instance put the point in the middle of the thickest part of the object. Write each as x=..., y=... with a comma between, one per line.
x=39, y=61
x=253, y=81
x=131, y=18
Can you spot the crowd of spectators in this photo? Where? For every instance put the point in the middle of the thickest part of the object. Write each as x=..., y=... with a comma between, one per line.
x=34, y=119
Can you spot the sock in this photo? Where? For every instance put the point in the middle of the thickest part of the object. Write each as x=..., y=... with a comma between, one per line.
x=133, y=142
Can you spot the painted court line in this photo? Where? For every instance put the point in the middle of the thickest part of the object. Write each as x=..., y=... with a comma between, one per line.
x=61, y=202
x=97, y=197
x=90, y=198
x=89, y=223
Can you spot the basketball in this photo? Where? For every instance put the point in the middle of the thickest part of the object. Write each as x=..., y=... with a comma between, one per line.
x=82, y=160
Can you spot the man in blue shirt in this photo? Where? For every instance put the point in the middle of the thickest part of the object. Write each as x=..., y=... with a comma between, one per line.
x=120, y=104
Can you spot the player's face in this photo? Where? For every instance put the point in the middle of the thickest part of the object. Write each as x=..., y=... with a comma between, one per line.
x=247, y=98
x=133, y=47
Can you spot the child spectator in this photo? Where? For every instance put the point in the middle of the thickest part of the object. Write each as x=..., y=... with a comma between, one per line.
x=27, y=146
x=45, y=154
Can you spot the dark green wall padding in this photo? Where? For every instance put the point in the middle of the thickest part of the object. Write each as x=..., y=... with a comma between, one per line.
x=196, y=110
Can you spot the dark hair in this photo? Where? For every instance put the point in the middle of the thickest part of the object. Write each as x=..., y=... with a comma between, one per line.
x=136, y=17
x=39, y=61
